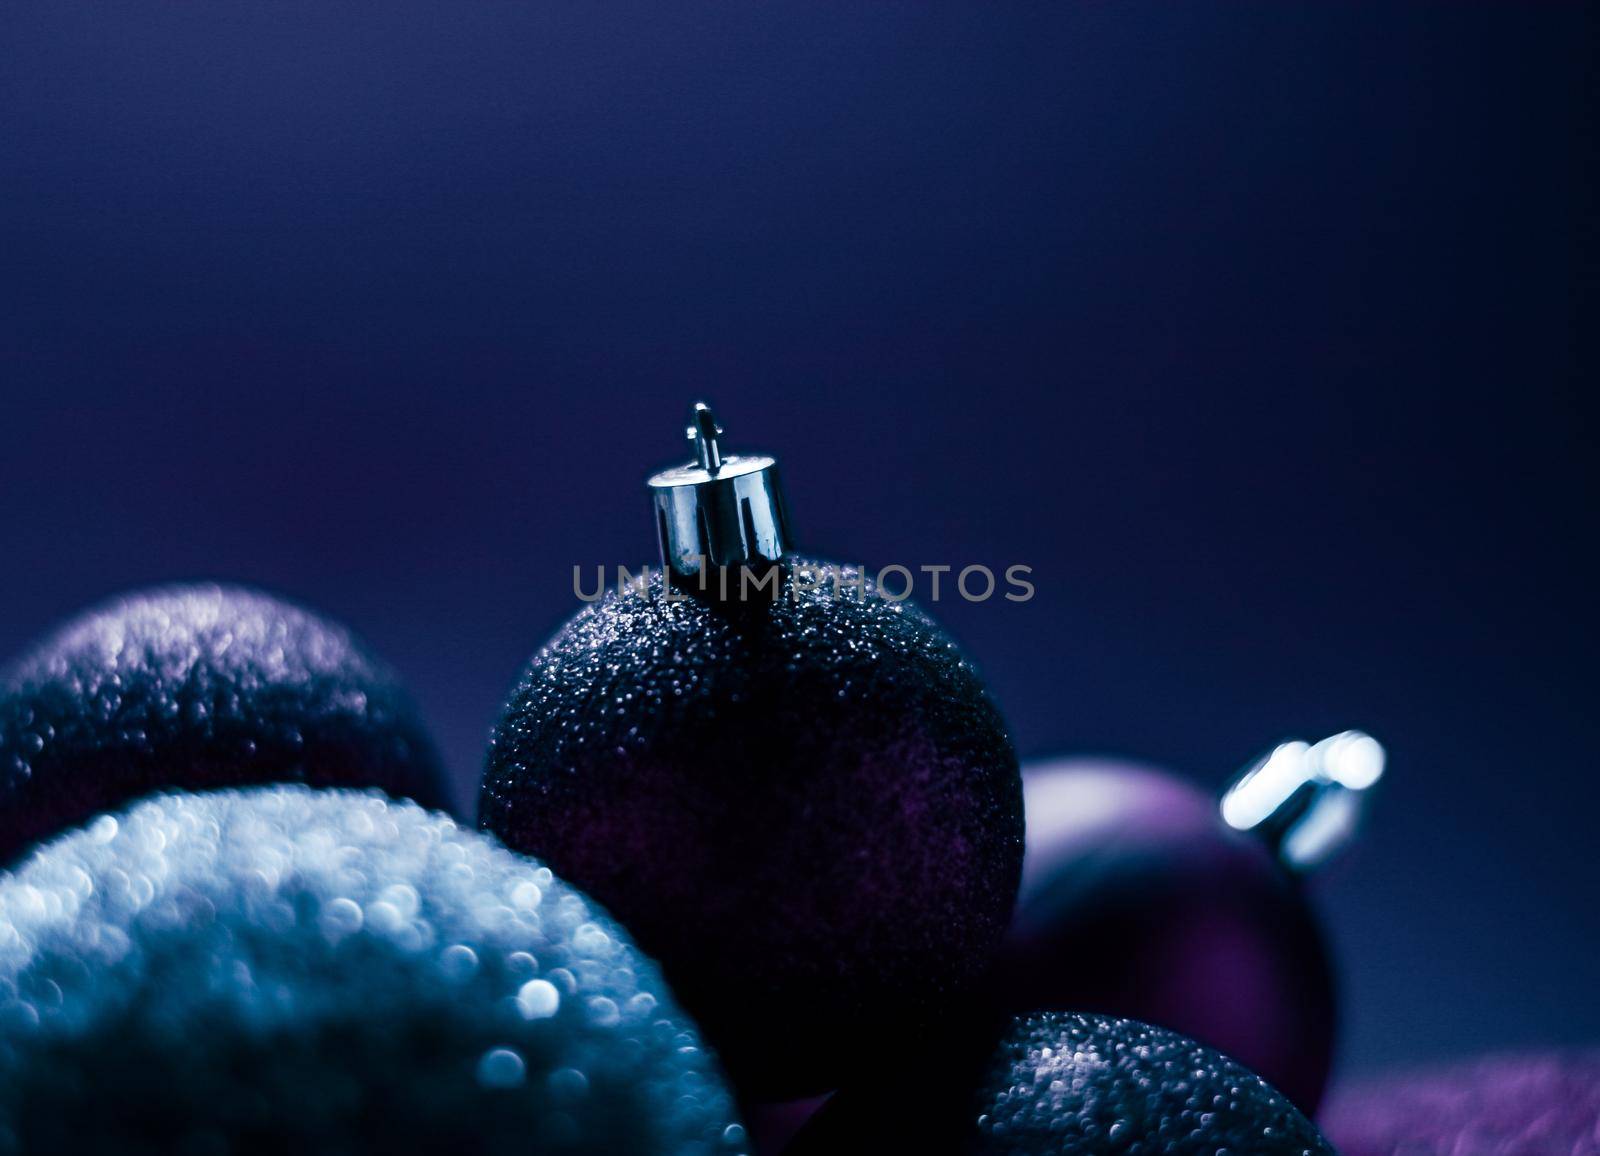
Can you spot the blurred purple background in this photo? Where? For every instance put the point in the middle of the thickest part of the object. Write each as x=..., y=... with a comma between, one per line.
x=1258, y=331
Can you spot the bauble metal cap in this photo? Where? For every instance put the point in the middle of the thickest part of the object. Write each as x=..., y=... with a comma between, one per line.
x=718, y=511
x=1306, y=799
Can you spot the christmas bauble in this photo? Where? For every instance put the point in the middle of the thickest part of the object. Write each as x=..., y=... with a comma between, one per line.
x=1060, y=1084
x=1138, y=900
x=194, y=687
x=808, y=809
x=289, y=970
x=1515, y=1104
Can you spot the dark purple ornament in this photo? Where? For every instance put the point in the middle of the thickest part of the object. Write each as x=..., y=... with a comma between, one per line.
x=1060, y=1084
x=194, y=687
x=807, y=808
x=1140, y=899
x=1506, y=1105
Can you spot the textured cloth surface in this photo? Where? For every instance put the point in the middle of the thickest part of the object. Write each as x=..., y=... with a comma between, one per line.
x=1531, y=1104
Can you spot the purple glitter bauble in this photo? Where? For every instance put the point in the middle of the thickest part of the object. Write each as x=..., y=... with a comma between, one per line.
x=1539, y=1104
x=1137, y=900
x=809, y=811
x=194, y=687
x=1063, y=1085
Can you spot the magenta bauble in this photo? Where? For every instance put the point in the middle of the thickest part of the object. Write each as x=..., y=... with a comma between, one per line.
x=1138, y=900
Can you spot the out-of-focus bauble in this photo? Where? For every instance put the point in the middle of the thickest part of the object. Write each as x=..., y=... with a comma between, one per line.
x=809, y=811
x=196, y=687
x=1065, y=1085
x=1507, y=1105
x=1137, y=900
x=287, y=970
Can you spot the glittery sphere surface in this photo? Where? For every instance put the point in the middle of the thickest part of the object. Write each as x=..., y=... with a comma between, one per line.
x=1068, y=1085
x=1137, y=900
x=808, y=810
x=195, y=687
x=284, y=970
x=1535, y=1104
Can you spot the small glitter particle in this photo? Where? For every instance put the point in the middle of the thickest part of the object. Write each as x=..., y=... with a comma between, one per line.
x=538, y=999
x=501, y=1068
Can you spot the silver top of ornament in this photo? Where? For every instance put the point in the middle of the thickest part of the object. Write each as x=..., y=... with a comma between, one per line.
x=718, y=510
x=1306, y=799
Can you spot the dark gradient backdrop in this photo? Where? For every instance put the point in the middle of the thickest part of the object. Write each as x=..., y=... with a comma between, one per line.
x=1257, y=330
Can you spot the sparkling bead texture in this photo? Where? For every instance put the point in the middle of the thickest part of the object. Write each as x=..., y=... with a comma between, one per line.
x=1060, y=1084
x=289, y=970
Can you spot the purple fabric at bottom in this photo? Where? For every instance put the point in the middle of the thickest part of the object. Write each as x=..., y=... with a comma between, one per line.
x=1531, y=1104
